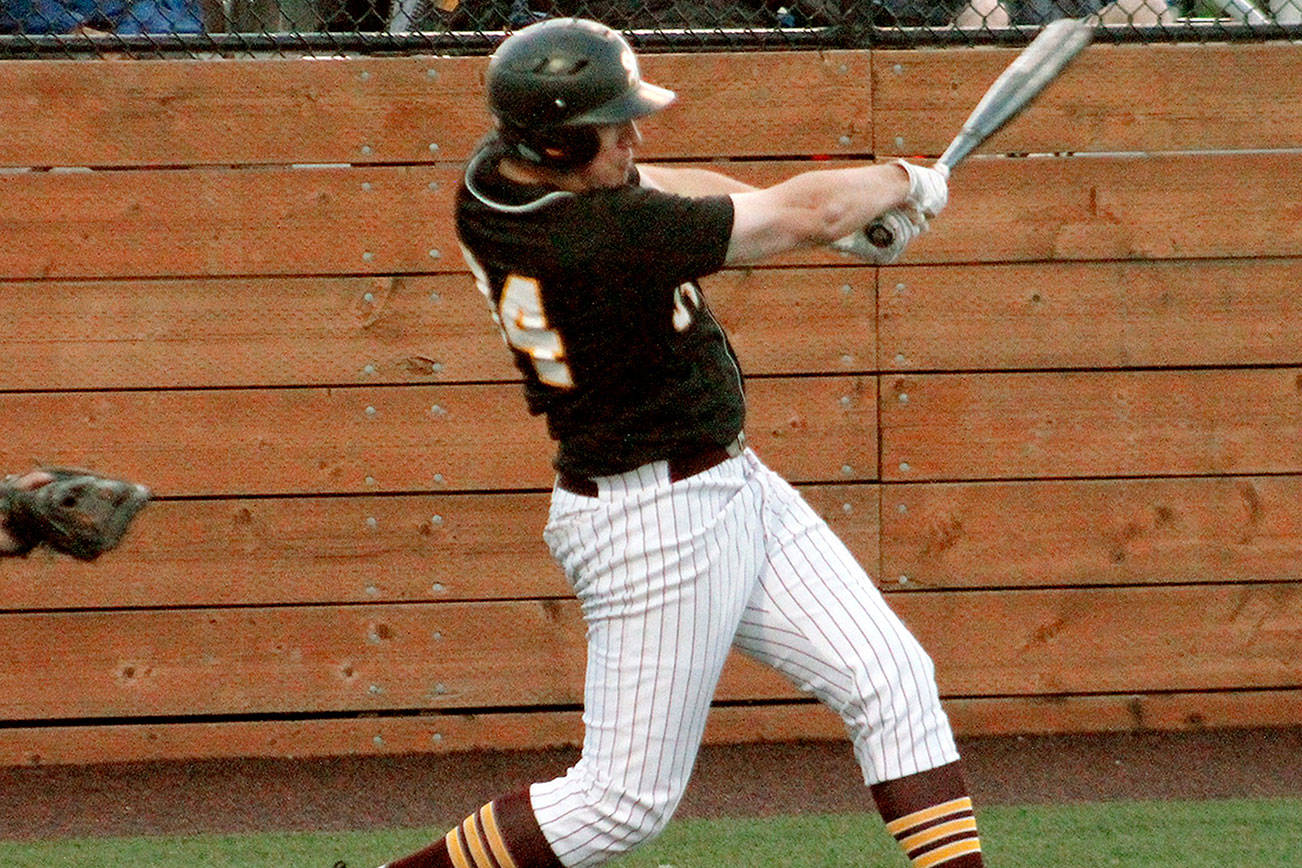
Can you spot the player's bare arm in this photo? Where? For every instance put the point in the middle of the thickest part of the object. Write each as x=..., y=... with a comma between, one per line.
x=812, y=208
x=819, y=207
x=690, y=181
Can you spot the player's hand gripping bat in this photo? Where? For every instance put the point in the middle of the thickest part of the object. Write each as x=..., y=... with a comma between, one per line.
x=1032, y=70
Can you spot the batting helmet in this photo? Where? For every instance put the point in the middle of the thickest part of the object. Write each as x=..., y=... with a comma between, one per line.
x=551, y=82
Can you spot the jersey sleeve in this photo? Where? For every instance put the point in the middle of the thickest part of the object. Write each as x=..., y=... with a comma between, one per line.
x=637, y=235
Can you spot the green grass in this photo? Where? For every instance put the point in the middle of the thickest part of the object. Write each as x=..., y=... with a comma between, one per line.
x=1241, y=833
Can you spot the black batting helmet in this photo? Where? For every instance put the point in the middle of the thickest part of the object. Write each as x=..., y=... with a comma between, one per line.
x=551, y=82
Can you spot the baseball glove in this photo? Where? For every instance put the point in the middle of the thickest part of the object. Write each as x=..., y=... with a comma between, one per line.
x=77, y=512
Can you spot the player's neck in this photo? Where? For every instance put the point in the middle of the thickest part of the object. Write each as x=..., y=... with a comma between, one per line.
x=526, y=173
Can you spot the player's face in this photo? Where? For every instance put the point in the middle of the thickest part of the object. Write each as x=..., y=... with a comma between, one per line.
x=614, y=161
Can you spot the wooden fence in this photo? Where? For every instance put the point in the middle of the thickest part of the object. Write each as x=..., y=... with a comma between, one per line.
x=1065, y=434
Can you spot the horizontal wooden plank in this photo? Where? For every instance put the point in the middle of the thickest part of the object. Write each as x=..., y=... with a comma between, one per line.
x=249, y=332
x=223, y=221
x=307, y=659
x=398, y=219
x=248, y=111
x=1114, y=640
x=452, y=733
x=1113, y=98
x=1131, y=423
x=371, y=330
x=1115, y=207
x=431, y=733
x=400, y=110
x=1092, y=532
x=1091, y=315
x=798, y=320
x=1199, y=710
x=267, y=551
x=362, y=110
x=368, y=440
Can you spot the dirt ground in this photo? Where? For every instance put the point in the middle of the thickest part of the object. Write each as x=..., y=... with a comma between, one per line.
x=748, y=780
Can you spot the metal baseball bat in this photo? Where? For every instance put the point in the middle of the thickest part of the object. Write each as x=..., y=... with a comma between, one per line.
x=1030, y=72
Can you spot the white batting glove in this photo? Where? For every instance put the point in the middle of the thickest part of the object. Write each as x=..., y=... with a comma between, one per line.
x=903, y=227
x=928, y=188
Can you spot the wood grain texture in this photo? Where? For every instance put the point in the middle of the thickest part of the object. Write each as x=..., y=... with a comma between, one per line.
x=343, y=550
x=796, y=720
x=1091, y=315
x=798, y=320
x=1062, y=432
x=297, y=331
x=1134, y=712
x=353, y=736
x=1115, y=640
x=1091, y=424
x=364, y=110
x=387, y=439
x=479, y=655
x=386, y=220
x=262, y=331
x=401, y=109
x=1112, y=98
x=242, y=112
x=1136, y=207
x=307, y=659
x=1092, y=532
x=224, y=221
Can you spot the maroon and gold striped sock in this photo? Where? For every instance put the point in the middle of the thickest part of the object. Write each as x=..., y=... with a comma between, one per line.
x=931, y=815
x=943, y=834
x=501, y=834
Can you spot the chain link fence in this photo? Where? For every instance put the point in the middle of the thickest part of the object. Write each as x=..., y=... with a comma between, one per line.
x=160, y=28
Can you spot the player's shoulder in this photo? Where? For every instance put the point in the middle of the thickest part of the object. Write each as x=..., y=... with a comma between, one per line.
x=484, y=187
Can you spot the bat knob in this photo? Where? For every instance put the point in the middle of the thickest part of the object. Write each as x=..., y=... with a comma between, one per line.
x=880, y=235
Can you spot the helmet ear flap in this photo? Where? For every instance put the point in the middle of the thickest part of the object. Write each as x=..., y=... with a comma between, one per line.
x=554, y=147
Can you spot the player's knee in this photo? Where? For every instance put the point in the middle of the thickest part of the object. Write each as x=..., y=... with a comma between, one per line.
x=628, y=819
x=882, y=691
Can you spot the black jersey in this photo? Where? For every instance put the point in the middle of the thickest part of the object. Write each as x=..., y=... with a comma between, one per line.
x=596, y=295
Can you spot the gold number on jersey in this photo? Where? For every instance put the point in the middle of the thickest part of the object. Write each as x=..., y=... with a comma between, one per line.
x=687, y=302
x=525, y=324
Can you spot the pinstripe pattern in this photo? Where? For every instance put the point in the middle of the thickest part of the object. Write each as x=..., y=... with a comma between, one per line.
x=669, y=576
x=817, y=618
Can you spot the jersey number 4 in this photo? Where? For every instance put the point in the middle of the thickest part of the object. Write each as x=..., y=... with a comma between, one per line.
x=524, y=325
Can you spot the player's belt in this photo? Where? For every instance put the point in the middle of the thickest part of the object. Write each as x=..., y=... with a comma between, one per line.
x=680, y=467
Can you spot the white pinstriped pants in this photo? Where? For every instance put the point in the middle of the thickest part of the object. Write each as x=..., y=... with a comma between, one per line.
x=669, y=578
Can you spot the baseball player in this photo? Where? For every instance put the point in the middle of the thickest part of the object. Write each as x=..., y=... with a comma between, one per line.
x=677, y=540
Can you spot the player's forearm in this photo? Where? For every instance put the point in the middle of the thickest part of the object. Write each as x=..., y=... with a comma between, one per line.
x=840, y=201
x=812, y=208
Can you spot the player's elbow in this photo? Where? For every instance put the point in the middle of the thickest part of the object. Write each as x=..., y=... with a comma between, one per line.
x=763, y=227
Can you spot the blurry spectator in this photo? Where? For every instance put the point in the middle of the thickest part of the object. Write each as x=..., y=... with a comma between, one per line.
x=1002, y=13
x=357, y=16
x=127, y=17
x=416, y=15
x=1140, y=13
x=938, y=13
x=522, y=15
